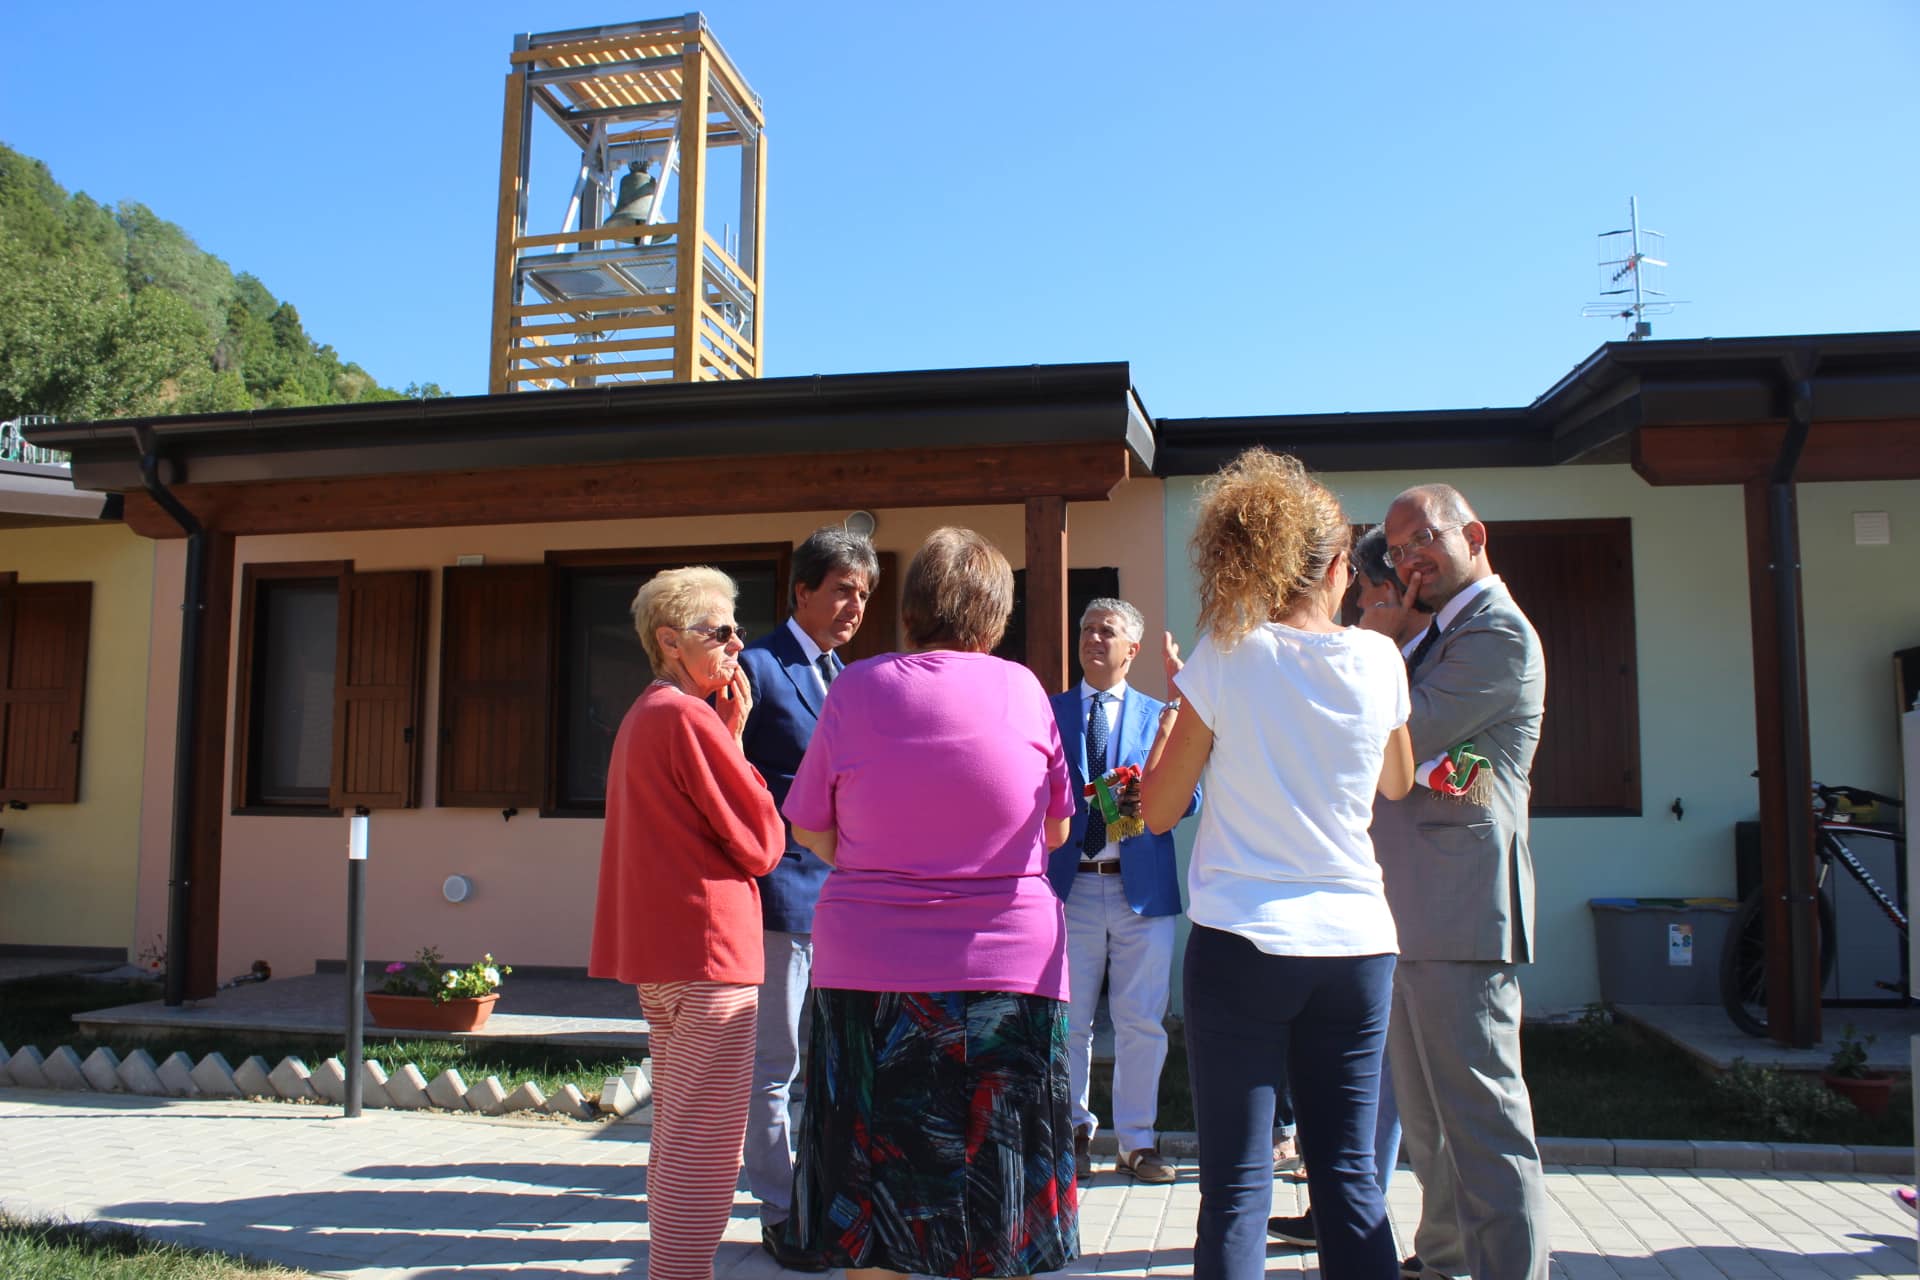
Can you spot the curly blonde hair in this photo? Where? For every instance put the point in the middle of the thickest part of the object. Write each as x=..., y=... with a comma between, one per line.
x=1266, y=533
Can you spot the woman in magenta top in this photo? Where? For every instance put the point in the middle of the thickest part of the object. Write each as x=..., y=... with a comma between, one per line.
x=936, y=1138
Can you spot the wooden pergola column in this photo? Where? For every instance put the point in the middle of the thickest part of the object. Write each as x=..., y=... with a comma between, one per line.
x=1046, y=600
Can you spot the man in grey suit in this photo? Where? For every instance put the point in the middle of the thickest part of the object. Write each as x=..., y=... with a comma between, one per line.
x=1460, y=881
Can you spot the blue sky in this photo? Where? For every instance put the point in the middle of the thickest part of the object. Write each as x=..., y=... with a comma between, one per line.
x=1264, y=207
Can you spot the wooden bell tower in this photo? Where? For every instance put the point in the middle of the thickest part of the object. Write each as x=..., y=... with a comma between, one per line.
x=652, y=271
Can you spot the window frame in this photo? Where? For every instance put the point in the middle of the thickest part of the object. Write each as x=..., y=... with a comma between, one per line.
x=246, y=696
x=562, y=563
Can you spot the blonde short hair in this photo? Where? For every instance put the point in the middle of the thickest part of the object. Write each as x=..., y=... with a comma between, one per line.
x=677, y=598
x=958, y=592
x=1265, y=534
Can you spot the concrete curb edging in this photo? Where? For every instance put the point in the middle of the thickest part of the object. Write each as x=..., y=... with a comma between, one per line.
x=620, y=1096
x=179, y=1076
x=1645, y=1153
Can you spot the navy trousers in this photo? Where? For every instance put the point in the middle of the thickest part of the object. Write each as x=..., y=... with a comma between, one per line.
x=1255, y=1022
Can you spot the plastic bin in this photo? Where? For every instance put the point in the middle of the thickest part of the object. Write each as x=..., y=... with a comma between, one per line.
x=1661, y=950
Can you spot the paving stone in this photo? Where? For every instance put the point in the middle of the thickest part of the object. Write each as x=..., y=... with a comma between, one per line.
x=176, y=1076
x=329, y=1080
x=486, y=1096
x=102, y=1069
x=215, y=1077
x=1576, y=1151
x=253, y=1078
x=1897, y=1161
x=407, y=1089
x=373, y=1084
x=569, y=1101
x=1732, y=1155
x=616, y=1097
x=1813, y=1157
x=448, y=1091
x=526, y=1098
x=291, y=1080
x=23, y=1069
x=1650, y=1153
x=62, y=1069
x=139, y=1075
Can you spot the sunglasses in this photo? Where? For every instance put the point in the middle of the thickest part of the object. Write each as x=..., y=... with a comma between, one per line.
x=725, y=633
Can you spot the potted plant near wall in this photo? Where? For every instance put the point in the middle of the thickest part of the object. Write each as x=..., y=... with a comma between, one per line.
x=1848, y=1075
x=425, y=994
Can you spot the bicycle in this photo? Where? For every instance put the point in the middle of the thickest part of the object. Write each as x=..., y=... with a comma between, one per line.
x=1743, y=958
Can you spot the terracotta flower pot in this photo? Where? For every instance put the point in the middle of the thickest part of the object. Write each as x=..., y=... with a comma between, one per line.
x=1870, y=1094
x=423, y=1013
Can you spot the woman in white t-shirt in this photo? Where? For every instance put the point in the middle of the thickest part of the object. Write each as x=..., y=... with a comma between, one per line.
x=1297, y=723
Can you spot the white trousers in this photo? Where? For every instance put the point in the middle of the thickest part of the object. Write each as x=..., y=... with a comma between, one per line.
x=1135, y=953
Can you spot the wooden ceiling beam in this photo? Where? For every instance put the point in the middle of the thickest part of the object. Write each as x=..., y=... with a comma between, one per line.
x=1078, y=472
x=1734, y=453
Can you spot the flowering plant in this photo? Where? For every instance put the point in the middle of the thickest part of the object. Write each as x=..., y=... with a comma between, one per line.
x=427, y=975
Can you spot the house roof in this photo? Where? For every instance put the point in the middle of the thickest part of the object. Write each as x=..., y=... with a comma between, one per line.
x=1592, y=413
x=840, y=413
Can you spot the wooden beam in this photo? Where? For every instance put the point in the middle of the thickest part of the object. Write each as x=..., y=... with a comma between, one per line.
x=639, y=489
x=691, y=214
x=1770, y=739
x=1047, y=591
x=1881, y=449
x=512, y=140
x=209, y=751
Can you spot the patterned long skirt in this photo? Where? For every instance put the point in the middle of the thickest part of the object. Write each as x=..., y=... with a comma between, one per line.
x=936, y=1137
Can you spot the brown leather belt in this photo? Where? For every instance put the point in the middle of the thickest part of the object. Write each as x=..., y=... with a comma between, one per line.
x=1108, y=868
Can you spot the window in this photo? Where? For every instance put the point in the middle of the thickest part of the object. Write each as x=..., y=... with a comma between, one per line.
x=330, y=685
x=44, y=628
x=540, y=664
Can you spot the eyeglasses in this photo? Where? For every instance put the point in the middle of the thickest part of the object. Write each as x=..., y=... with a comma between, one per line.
x=725, y=633
x=1424, y=538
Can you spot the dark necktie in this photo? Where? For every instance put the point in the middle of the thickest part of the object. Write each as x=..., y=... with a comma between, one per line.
x=1096, y=837
x=824, y=665
x=1426, y=643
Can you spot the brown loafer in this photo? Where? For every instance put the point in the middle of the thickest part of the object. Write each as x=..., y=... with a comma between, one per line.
x=1083, y=1153
x=1146, y=1165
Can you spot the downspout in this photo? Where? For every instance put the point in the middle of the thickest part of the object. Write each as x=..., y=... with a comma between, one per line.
x=186, y=716
x=1797, y=774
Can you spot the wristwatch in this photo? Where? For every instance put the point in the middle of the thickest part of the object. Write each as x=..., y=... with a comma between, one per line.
x=1173, y=704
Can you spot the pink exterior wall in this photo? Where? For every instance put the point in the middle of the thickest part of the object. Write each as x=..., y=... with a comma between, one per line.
x=283, y=878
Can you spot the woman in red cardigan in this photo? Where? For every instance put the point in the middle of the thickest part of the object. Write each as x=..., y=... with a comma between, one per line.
x=689, y=825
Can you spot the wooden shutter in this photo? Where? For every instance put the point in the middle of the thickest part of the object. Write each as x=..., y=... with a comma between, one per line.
x=880, y=630
x=378, y=690
x=494, y=685
x=1574, y=580
x=43, y=635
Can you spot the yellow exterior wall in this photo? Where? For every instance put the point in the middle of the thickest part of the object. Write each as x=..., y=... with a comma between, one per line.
x=283, y=878
x=67, y=870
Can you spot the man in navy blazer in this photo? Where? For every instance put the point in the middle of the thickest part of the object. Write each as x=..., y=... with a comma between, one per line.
x=1122, y=898
x=789, y=671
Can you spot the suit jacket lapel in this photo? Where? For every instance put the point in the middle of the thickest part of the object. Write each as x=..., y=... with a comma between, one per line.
x=806, y=682
x=1475, y=607
x=1073, y=739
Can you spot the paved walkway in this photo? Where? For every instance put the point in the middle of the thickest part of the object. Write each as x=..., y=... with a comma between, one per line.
x=452, y=1198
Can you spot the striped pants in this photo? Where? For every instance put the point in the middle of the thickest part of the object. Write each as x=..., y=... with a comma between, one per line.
x=701, y=1037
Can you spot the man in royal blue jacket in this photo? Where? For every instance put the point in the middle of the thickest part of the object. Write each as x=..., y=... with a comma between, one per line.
x=1122, y=897
x=834, y=571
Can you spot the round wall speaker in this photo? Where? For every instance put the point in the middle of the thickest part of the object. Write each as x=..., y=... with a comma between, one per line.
x=862, y=523
x=457, y=888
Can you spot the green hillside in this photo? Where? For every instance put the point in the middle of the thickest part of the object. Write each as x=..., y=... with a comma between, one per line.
x=113, y=312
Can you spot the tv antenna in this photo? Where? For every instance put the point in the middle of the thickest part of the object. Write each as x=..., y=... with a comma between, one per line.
x=1631, y=274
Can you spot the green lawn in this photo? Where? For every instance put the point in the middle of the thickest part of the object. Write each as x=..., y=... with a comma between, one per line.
x=39, y=1012
x=60, y=1251
x=1602, y=1082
